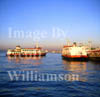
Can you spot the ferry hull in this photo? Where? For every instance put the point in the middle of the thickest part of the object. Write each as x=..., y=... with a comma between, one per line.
x=75, y=58
x=26, y=55
x=94, y=59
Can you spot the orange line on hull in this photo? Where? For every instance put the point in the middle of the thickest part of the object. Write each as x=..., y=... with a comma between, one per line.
x=75, y=56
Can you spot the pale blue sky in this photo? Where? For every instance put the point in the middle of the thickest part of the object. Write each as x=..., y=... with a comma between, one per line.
x=79, y=19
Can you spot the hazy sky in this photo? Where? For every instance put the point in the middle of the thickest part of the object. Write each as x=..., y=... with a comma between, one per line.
x=49, y=22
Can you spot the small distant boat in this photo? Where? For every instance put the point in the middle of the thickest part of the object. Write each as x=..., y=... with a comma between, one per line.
x=18, y=51
x=74, y=52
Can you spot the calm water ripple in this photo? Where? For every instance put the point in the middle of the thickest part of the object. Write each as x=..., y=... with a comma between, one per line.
x=88, y=84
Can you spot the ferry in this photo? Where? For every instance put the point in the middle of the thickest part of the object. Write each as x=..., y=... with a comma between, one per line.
x=93, y=52
x=18, y=51
x=94, y=55
x=74, y=52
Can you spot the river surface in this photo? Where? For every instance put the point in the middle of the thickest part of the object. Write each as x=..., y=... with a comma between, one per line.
x=86, y=85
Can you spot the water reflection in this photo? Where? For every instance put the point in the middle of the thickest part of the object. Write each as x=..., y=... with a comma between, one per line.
x=74, y=65
x=84, y=69
x=26, y=60
x=77, y=67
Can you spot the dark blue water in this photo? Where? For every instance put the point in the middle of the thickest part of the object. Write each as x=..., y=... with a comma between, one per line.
x=88, y=84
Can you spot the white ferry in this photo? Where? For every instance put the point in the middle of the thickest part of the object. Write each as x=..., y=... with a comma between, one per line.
x=74, y=52
x=18, y=51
